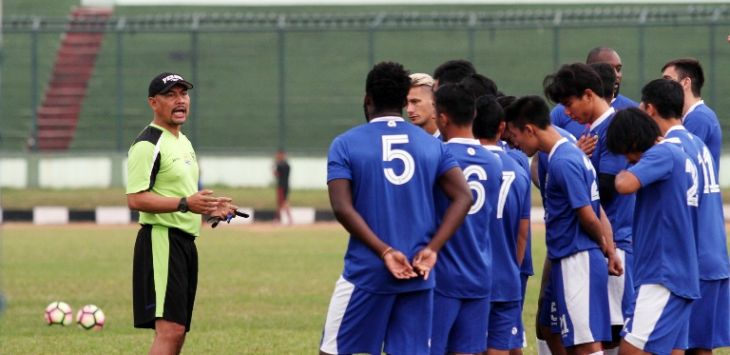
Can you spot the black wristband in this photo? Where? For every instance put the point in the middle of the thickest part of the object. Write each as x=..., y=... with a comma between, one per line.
x=182, y=206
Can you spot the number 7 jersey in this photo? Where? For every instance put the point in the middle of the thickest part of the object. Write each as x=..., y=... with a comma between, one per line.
x=393, y=167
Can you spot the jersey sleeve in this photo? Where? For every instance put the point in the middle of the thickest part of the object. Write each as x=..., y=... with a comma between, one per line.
x=141, y=162
x=570, y=176
x=610, y=163
x=338, y=162
x=447, y=161
x=655, y=164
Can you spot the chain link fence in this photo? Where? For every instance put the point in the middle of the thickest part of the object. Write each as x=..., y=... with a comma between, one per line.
x=295, y=81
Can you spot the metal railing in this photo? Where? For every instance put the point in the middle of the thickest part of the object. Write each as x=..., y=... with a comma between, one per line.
x=465, y=29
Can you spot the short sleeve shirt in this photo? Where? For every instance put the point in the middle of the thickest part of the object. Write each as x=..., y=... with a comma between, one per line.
x=166, y=165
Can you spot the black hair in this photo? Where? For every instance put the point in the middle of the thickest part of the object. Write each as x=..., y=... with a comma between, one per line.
x=530, y=109
x=631, y=131
x=506, y=100
x=608, y=79
x=387, y=85
x=489, y=115
x=572, y=80
x=666, y=96
x=453, y=71
x=455, y=101
x=689, y=68
x=479, y=85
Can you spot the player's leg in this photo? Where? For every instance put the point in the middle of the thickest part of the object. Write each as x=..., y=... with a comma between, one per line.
x=546, y=322
x=580, y=282
x=659, y=323
x=356, y=320
x=620, y=297
x=409, y=327
x=504, y=332
x=709, y=324
x=175, y=282
x=169, y=338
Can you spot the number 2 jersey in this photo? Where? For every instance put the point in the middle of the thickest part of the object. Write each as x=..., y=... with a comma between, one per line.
x=393, y=167
x=664, y=246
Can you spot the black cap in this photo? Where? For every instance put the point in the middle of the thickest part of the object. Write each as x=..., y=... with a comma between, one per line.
x=165, y=81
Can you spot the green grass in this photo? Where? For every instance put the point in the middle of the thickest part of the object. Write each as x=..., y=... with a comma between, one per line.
x=262, y=289
x=236, y=95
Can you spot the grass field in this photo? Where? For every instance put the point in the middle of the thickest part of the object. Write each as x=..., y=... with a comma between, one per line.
x=262, y=289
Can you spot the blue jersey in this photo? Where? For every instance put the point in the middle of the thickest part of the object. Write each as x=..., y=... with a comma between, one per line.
x=620, y=209
x=512, y=207
x=559, y=118
x=708, y=218
x=465, y=267
x=570, y=184
x=542, y=162
x=701, y=121
x=523, y=161
x=664, y=247
x=393, y=167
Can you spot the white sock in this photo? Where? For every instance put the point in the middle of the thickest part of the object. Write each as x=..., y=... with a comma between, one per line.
x=542, y=348
x=597, y=353
x=613, y=351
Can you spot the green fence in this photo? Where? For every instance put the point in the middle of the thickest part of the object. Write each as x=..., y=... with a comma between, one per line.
x=295, y=81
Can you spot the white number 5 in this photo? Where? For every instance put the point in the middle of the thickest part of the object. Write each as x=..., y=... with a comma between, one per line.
x=390, y=154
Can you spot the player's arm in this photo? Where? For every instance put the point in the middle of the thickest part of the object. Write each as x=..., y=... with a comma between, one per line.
x=595, y=229
x=533, y=170
x=201, y=202
x=627, y=183
x=454, y=186
x=522, y=231
x=340, y=193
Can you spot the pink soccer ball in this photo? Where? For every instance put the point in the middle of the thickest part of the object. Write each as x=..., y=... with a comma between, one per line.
x=90, y=317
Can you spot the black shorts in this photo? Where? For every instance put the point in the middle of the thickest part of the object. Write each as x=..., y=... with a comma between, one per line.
x=164, y=276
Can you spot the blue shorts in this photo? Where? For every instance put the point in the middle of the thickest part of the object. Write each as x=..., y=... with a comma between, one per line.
x=621, y=290
x=580, y=283
x=360, y=322
x=660, y=321
x=459, y=325
x=505, y=332
x=709, y=320
x=548, y=309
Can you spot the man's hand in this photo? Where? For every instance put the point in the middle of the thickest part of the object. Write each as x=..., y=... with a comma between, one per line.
x=424, y=262
x=398, y=265
x=203, y=202
x=587, y=143
x=225, y=209
x=614, y=264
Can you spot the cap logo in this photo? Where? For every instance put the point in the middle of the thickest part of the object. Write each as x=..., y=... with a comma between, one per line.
x=172, y=77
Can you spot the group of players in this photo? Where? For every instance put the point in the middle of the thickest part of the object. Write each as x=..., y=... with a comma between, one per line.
x=438, y=211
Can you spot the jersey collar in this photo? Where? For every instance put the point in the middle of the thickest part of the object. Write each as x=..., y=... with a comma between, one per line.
x=470, y=141
x=555, y=147
x=692, y=108
x=678, y=127
x=603, y=117
x=386, y=119
x=493, y=148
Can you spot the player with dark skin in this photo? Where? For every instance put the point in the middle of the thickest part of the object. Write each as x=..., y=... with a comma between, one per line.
x=452, y=183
